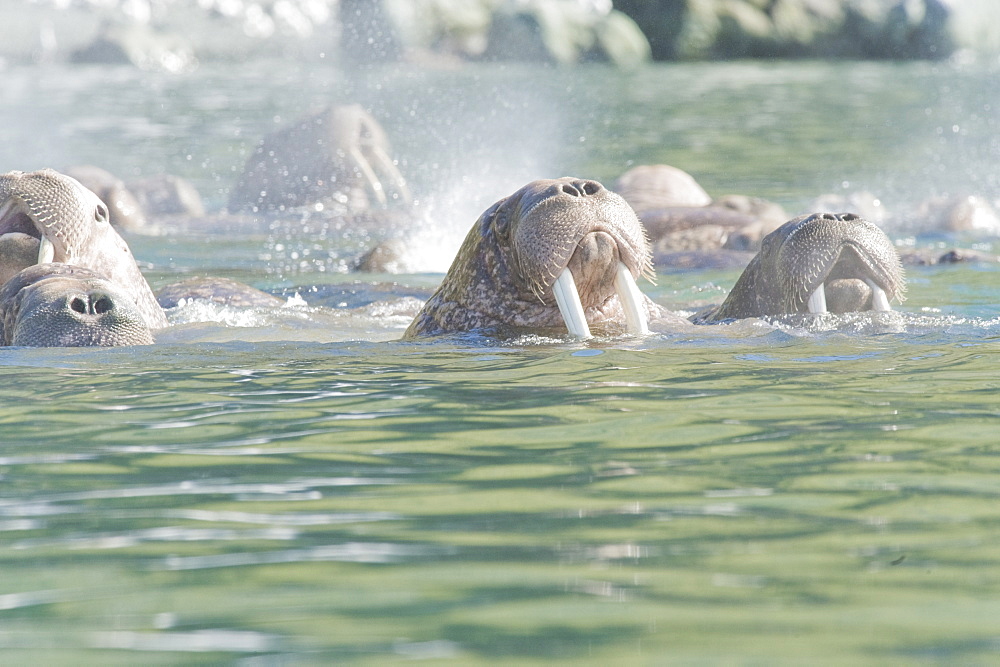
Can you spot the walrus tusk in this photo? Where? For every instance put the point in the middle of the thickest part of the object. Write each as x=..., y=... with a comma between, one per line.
x=632, y=302
x=46, y=251
x=568, y=300
x=817, y=300
x=880, y=301
x=395, y=176
x=362, y=163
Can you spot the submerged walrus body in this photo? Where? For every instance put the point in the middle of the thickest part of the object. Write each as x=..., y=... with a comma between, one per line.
x=556, y=254
x=824, y=262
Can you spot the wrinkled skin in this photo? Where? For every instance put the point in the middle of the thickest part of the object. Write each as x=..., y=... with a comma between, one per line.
x=52, y=208
x=851, y=259
x=340, y=155
x=58, y=305
x=503, y=277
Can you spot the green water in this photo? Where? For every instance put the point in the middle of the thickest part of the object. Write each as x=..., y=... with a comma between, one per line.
x=300, y=487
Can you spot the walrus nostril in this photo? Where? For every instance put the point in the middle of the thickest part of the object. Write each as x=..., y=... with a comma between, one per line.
x=829, y=216
x=102, y=304
x=582, y=188
x=92, y=304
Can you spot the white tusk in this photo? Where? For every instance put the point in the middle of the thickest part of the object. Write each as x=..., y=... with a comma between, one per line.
x=46, y=251
x=395, y=176
x=817, y=300
x=365, y=167
x=632, y=301
x=880, y=301
x=568, y=300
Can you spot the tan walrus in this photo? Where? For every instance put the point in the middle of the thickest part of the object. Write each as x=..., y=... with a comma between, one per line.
x=824, y=262
x=46, y=216
x=562, y=253
x=339, y=154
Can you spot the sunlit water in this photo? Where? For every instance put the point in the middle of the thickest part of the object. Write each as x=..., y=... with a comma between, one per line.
x=296, y=486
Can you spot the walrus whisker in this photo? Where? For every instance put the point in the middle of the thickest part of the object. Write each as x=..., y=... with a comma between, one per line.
x=539, y=291
x=46, y=251
x=880, y=302
x=648, y=271
x=570, y=307
x=631, y=300
x=817, y=300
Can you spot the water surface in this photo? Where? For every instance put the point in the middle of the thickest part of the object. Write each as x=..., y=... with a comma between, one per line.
x=298, y=486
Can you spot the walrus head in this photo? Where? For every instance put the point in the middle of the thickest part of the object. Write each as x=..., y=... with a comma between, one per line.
x=46, y=216
x=59, y=305
x=564, y=251
x=824, y=262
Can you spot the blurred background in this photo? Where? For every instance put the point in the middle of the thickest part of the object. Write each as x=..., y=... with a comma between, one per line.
x=176, y=35
x=888, y=101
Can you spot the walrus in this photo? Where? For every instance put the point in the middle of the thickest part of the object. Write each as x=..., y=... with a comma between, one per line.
x=557, y=253
x=681, y=217
x=47, y=217
x=818, y=263
x=648, y=187
x=338, y=155
x=223, y=291
x=51, y=224
x=59, y=305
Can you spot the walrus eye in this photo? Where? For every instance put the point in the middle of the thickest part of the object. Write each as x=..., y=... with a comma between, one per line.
x=501, y=223
x=101, y=214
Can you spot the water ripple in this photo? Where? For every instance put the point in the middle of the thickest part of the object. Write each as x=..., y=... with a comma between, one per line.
x=350, y=552
x=198, y=641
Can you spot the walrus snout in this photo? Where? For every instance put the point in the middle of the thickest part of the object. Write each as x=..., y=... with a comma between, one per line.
x=67, y=312
x=60, y=305
x=581, y=188
x=841, y=253
x=95, y=317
